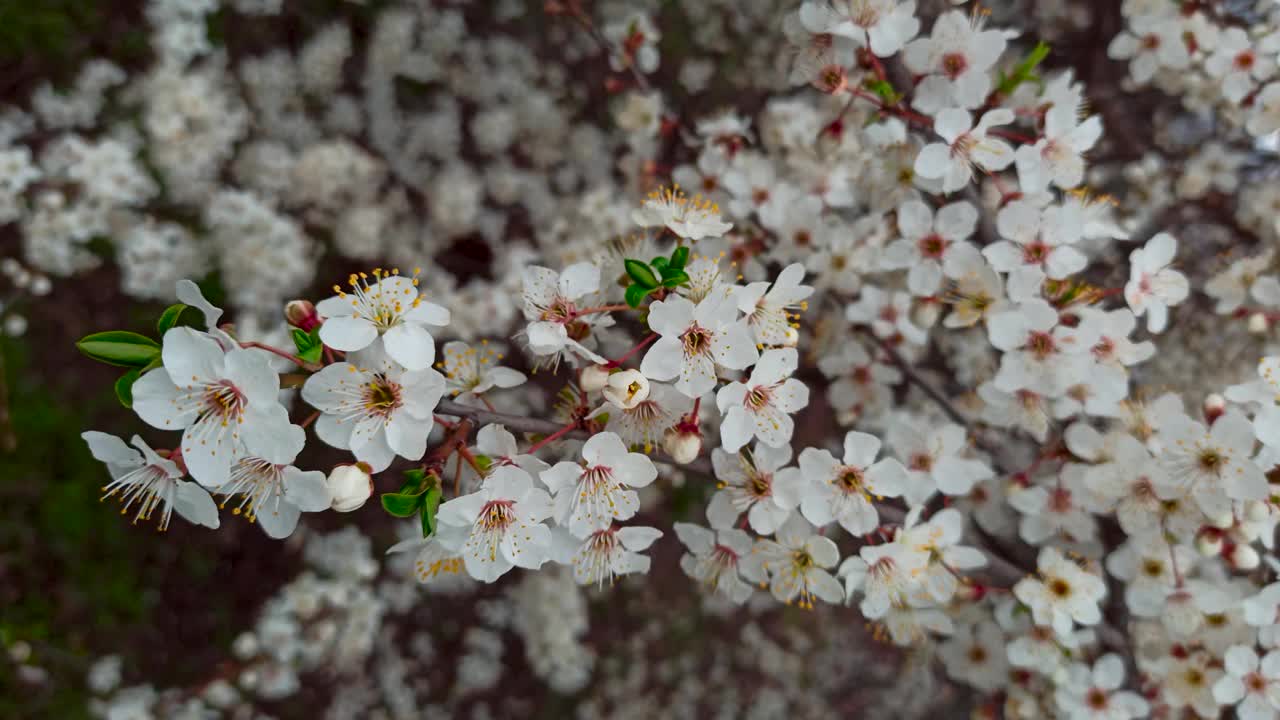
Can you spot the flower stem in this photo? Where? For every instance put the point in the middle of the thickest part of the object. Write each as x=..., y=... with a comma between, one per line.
x=277, y=351
x=552, y=437
x=639, y=346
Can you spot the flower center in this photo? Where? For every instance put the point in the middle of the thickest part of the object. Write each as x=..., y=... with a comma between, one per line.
x=932, y=246
x=696, y=340
x=851, y=480
x=758, y=398
x=953, y=64
x=381, y=396
x=224, y=400
x=1040, y=344
x=761, y=485
x=921, y=461
x=1096, y=699
x=1210, y=459
x=1060, y=588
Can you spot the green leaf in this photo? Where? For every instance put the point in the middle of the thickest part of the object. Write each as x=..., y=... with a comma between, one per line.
x=169, y=318
x=430, y=503
x=484, y=461
x=884, y=89
x=660, y=263
x=124, y=387
x=635, y=294
x=641, y=273
x=1024, y=71
x=675, y=280
x=414, y=481
x=120, y=347
x=309, y=346
x=680, y=257
x=400, y=504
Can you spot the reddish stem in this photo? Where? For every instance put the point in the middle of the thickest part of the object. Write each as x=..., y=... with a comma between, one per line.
x=277, y=351
x=552, y=437
x=639, y=346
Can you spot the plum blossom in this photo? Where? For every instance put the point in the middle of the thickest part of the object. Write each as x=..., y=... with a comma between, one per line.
x=504, y=523
x=754, y=483
x=766, y=304
x=842, y=490
x=715, y=559
x=605, y=554
x=955, y=60
x=391, y=308
x=590, y=496
x=375, y=408
x=884, y=26
x=551, y=307
x=1062, y=594
x=1153, y=286
x=964, y=146
x=154, y=483
x=694, y=340
x=691, y=218
x=224, y=401
x=470, y=372
x=798, y=564
x=932, y=246
x=762, y=406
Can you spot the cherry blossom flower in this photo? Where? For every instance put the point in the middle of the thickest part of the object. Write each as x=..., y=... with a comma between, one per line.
x=842, y=490
x=470, y=372
x=1153, y=286
x=932, y=246
x=1239, y=64
x=1154, y=43
x=1035, y=237
x=715, y=560
x=884, y=26
x=274, y=494
x=798, y=562
x=691, y=218
x=1095, y=693
x=154, y=483
x=375, y=408
x=766, y=305
x=505, y=518
x=550, y=306
x=975, y=654
x=886, y=574
x=226, y=405
x=1041, y=354
x=1214, y=464
x=1058, y=157
x=956, y=60
x=757, y=484
x=694, y=340
x=627, y=389
x=590, y=496
x=762, y=406
x=1252, y=686
x=1062, y=594
x=964, y=146
x=933, y=460
x=391, y=308
x=605, y=554
x=940, y=538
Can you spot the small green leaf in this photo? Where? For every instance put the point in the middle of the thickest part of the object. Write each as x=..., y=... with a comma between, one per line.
x=680, y=257
x=120, y=347
x=641, y=273
x=401, y=505
x=660, y=263
x=414, y=482
x=169, y=318
x=1024, y=71
x=309, y=346
x=675, y=280
x=484, y=461
x=430, y=503
x=635, y=294
x=884, y=89
x=124, y=387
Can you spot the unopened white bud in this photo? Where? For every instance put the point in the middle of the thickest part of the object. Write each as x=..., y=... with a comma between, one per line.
x=683, y=447
x=1258, y=324
x=627, y=389
x=1214, y=405
x=1244, y=557
x=350, y=487
x=1209, y=544
x=1222, y=520
x=926, y=314
x=593, y=378
x=1257, y=511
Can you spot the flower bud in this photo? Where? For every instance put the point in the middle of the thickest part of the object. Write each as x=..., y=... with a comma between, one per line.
x=1244, y=557
x=350, y=487
x=1209, y=544
x=302, y=315
x=627, y=389
x=1257, y=511
x=683, y=446
x=1258, y=324
x=793, y=338
x=593, y=378
x=1222, y=520
x=1214, y=406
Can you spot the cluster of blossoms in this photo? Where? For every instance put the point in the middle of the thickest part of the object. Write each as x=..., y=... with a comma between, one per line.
x=884, y=334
